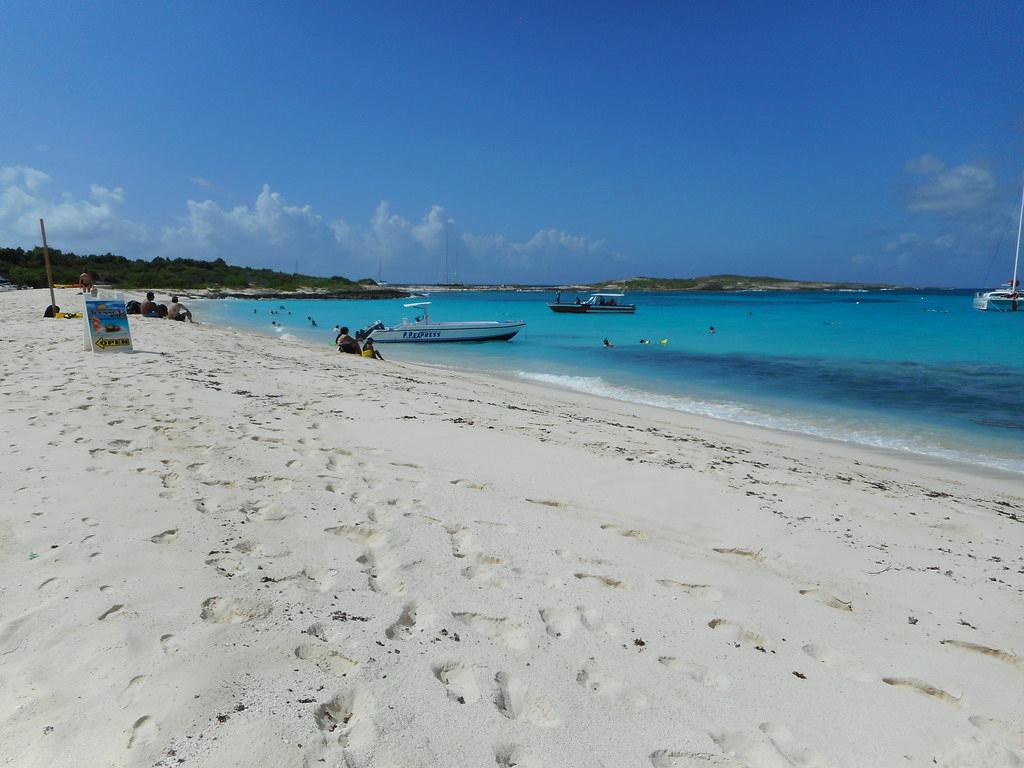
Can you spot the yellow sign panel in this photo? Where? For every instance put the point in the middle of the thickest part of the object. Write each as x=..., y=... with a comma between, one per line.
x=103, y=343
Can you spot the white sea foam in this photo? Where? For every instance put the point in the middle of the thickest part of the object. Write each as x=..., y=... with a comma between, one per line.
x=595, y=385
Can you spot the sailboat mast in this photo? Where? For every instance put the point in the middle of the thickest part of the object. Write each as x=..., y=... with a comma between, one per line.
x=1016, y=257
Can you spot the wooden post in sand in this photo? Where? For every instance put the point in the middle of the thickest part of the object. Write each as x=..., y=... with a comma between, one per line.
x=49, y=271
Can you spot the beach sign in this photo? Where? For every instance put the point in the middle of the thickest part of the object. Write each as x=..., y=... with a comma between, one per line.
x=106, y=325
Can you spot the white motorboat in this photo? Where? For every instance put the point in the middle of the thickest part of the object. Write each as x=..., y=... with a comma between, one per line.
x=607, y=303
x=422, y=329
x=1008, y=298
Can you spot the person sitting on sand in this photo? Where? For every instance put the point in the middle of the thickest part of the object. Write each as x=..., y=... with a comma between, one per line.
x=148, y=307
x=346, y=343
x=371, y=351
x=178, y=311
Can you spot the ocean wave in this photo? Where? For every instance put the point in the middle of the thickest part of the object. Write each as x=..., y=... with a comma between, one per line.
x=595, y=385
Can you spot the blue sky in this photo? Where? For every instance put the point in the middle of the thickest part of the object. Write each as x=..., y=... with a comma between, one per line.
x=814, y=140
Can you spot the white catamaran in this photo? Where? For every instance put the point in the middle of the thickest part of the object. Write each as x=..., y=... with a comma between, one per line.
x=1005, y=299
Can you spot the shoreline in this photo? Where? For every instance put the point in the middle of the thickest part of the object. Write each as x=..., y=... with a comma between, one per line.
x=892, y=453
x=256, y=554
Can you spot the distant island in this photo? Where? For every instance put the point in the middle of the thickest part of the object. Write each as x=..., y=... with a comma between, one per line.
x=216, y=278
x=731, y=283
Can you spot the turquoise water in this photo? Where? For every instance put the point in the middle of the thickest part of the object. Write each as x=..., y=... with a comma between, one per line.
x=913, y=371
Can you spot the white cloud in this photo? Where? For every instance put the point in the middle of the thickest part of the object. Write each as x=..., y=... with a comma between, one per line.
x=273, y=232
x=924, y=164
x=955, y=190
x=90, y=223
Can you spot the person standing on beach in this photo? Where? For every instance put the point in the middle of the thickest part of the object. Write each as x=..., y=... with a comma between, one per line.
x=85, y=280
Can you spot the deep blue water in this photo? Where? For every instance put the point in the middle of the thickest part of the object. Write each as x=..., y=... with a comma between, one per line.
x=914, y=371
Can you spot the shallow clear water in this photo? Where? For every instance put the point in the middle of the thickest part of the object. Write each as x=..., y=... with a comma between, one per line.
x=915, y=371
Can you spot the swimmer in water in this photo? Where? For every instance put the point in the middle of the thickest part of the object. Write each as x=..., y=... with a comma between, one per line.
x=607, y=343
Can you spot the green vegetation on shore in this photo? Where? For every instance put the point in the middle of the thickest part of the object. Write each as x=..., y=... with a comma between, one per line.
x=26, y=268
x=729, y=283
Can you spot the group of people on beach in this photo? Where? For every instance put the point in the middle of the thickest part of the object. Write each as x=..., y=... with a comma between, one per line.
x=149, y=308
x=350, y=346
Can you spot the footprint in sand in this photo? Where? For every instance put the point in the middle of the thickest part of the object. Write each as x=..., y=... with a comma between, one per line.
x=136, y=682
x=516, y=756
x=483, y=571
x=599, y=682
x=326, y=658
x=229, y=566
x=667, y=758
x=696, y=672
x=559, y=622
x=339, y=462
x=471, y=484
x=460, y=682
x=514, y=702
x=607, y=581
x=499, y=628
x=382, y=571
x=255, y=549
x=165, y=537
x=346, y=720
x=786, y=745
x=315, y=579
x=700, y=591
x=629, y=533
x=737, y=633
x=998, y=728
x=361, y=534
x=91, y=522
x=549, y=503
x=414, y=616
x=268, y=511
x=922, y=687
x=169, y=644
x=835, y=660
x=462, y=540
x=572, y=557
x=750, y=554
x=592, y=619
x=114, y=610
x=232, y=610
x=144, y=731
x=1004, y=656
x=826, y=599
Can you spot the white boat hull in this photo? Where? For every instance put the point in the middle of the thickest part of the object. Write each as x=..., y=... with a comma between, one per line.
x=420, y=333
x=998, y=301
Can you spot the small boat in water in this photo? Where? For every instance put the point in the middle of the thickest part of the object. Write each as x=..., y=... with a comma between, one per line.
x=423, y=329
x=1006, y=299
x=607, y=303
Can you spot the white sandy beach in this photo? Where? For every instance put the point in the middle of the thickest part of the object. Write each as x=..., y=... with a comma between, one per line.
x=229, y=550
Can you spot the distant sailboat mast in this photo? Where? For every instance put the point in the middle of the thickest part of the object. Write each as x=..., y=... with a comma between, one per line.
x=1016, y=257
